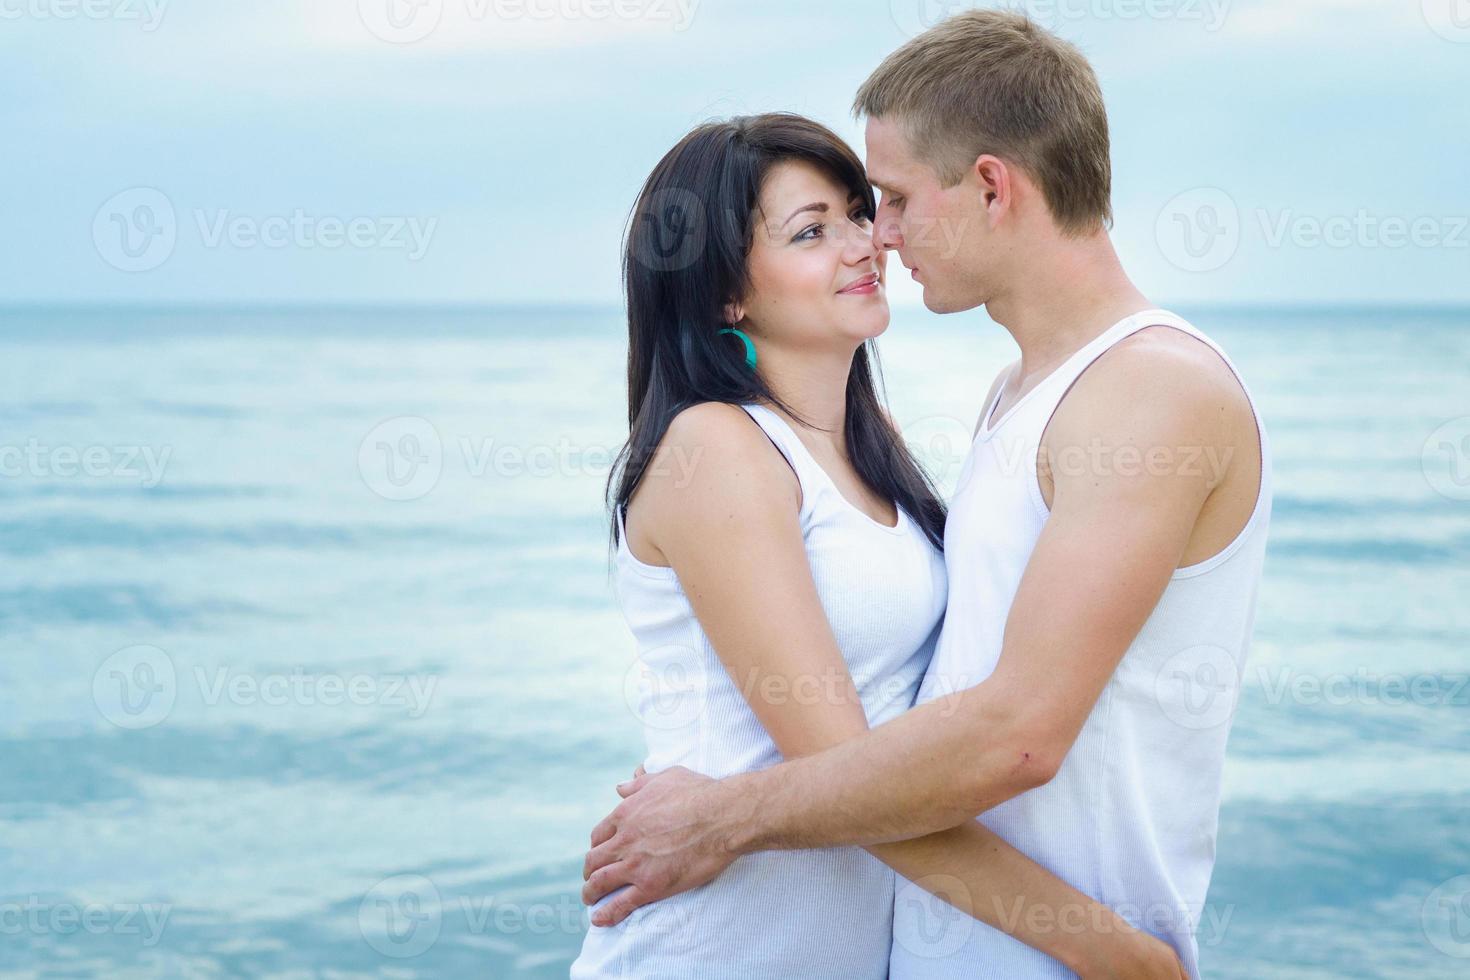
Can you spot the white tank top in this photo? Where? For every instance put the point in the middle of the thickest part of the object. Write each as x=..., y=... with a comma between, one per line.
x=1130, y=818
x=811, y=913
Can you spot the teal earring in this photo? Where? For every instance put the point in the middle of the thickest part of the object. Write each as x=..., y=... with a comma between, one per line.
x=749, y=345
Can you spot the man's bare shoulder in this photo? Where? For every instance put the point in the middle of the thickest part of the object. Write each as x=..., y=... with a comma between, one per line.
x=1158, y=380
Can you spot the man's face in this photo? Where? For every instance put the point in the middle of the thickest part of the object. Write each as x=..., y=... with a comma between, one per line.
x=940, y=233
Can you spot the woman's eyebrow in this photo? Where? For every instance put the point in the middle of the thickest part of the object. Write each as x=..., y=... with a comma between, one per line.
x=814, y=206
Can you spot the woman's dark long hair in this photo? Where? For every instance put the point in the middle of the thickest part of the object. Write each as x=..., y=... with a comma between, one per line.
x=685, y=258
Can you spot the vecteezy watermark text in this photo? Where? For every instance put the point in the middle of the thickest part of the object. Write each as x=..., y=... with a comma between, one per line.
x=148, y=13
x=1201, y=230
x=138, y=687
x=403, y=458
x=137, y=230
x=913, y=17
x=403, y=916
x=408, y=21
x=36, y=916
x=144, y=464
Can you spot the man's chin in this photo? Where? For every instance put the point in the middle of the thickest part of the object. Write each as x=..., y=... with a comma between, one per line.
x=935, y=303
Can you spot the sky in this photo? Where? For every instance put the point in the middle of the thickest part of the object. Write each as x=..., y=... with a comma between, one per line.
x=488, y=151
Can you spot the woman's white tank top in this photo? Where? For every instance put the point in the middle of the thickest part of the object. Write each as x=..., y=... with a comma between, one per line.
x=809, y=913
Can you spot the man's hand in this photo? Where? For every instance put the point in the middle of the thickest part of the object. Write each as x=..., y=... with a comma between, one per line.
x=667, y=836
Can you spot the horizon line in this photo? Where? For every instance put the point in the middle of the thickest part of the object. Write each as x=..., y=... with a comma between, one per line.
x=319, y=306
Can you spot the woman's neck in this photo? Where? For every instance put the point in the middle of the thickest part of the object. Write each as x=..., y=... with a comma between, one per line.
x=813, y=386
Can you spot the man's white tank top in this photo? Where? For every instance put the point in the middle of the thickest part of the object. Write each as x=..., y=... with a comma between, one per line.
x=1131, y=817
x=811, y=913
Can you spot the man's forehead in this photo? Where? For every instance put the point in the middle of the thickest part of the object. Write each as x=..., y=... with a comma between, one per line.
x=886, y=151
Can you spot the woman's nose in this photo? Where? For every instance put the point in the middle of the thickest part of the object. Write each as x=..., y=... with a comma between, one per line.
x=858, y=243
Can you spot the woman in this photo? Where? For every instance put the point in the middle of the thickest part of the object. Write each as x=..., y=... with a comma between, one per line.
x=779, y=560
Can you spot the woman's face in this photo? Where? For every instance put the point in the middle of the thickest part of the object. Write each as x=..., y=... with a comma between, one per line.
x=816, y=281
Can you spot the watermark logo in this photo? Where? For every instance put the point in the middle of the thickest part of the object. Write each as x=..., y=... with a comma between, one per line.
x=401, y=458
x=939, y=443
x=1445, y=917
x=136, y=687
x=671, y=230
x=925, y=923
x=914, y=17
x=1450, y=19
x=400, y=21
x=666, y=687
x=1198, y=688
x=401, y=917
x=135, y=230
x=1199, y=230
x=1446, y=459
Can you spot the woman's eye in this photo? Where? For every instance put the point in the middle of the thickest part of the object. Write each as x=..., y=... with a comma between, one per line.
x=861, y=218
x=809, y=234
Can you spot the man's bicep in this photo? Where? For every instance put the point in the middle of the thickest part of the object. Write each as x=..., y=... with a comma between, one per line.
x=1097, y=572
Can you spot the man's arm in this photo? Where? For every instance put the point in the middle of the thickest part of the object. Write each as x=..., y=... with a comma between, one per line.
x=1099, y=567
x=731, y=533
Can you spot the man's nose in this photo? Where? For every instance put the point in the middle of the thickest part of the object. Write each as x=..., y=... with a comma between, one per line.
x=885, y=230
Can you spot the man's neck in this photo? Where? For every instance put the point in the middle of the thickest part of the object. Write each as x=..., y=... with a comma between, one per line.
x=1071, y=292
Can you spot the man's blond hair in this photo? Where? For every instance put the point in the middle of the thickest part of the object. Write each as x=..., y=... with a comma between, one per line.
x=991, y=81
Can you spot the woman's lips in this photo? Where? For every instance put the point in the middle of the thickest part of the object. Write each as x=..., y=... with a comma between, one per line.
x=865, y=286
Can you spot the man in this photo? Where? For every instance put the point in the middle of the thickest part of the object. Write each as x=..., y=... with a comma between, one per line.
x=1104, y=545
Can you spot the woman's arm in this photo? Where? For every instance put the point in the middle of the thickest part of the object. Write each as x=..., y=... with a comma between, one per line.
x=976, y=871
x=730, y=530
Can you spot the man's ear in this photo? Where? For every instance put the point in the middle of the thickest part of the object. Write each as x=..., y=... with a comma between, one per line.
x=993, y=180
x=734, y=313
